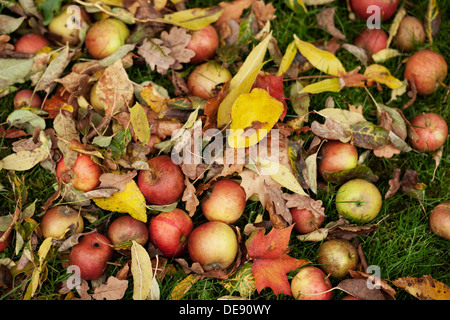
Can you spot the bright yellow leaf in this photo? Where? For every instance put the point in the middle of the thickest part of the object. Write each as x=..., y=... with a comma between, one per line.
x=321, y=59
x=287, y=59
x=193, y=19
x=243, y=81
x=139, y=121
x=129, y=201
x=327, y=85
x=381, y=74
x=253, y=116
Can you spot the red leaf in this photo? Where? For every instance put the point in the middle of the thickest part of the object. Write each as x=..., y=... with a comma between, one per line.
x=274, y=86
x=271, y=261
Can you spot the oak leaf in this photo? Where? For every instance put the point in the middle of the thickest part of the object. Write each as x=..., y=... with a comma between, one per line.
x=271, y=261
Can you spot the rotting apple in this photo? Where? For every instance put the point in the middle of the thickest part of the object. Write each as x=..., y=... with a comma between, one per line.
x=358, y=200
x=5, y=244
x=387, y=8
x=337, y=257
x=127, y=228
x=311, y=283
x=84, y=176
x=371, y=40
x=204, y=43
x=410, y=33
x=224, y=201
x=26, y=98
x=31, y=43
x=213, y=245
x=305, y=221
x=91, y=254
x=104, y=37
x=204, y=79
x=61, y=221
x=169, y=232
x=335, y=156
x=430, y=130
x=440, y=220
x=163, y=183
x=427, y=69
x=71, y=33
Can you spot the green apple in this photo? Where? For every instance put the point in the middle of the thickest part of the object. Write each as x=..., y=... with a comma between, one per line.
x=358, y=200
x=63, y=26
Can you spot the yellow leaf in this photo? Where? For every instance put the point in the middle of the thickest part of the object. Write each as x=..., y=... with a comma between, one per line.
x=327, y=85
x=193, y=19
x=321, y=59
x=129, y=201
x=295, y=4
x=141, y=268
x=183, y=286
x=424, y=288
x=281, y=174
x=253, y=116
x=35, y=277
x=384, y=54
x=287, y=59
x=431, y=17
x=243, y=81
x=153, y=98
x=381, y=74
x=139, y=121
x=401, y=13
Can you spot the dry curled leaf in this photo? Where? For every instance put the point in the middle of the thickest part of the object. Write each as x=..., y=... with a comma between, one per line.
x=113, y=289
x=325, y=20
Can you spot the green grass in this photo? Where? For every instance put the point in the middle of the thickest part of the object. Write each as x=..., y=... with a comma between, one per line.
x=401, y=246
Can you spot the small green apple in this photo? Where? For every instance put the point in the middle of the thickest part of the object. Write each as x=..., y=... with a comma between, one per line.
x=358, y=200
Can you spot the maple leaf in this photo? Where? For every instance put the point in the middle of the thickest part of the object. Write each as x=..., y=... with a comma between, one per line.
x=271, y=261
x=156, y=55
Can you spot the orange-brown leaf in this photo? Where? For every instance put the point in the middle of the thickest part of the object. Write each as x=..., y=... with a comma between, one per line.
x=271, y=261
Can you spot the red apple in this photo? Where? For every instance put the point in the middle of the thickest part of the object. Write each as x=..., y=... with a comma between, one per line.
x=204, y=79
x=61, y=221
x=440, y=220
x=358, y=200
x=127, y=228
x=163, y=183
x=371, y=40
x=91, y=254
x=387, y=8
x=204, y=43
x=84, y=176
x=337, y=257
x=431, y=131
x=4, y=244
x=213, y=244
x=66, y=32
x=336, y=156
x=26, y=98
x=410, y=32
x=169, y=232
x=105, y=37
x=427, y=69
x=31, y=43
x=311, y=283
x=225, y=201
x=305, y=221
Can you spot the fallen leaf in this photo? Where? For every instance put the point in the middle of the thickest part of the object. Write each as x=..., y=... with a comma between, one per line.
x=424, y=288
x=359, y=288
x=393, y=28
x=327, y=85
x=242, y=81
x=380, y=74
x=145, y=285
x=113, y=289
x=321, y=59
x=129, y=201
x=193, y=19
x=331, y=130
x=325, y=20
x=139, y=121
x=255, y=112
x=432, y=20
x=183, y=286
x=368, y=135
x=177, y=40
x=271, y=261
x=242, y=281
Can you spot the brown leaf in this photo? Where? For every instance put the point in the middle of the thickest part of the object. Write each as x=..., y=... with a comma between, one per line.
x=156, y=55
x=117, y=181
x=113, y=289
x=386, y=151
x=304, y=202
x=325, y=20
x=279, y=213
x=263, y=12
x=424, y=288
x=331, y=129
x=176, y=40
x=359, y=289
x=232, y=10
x=189, y=197
x=385, y=288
